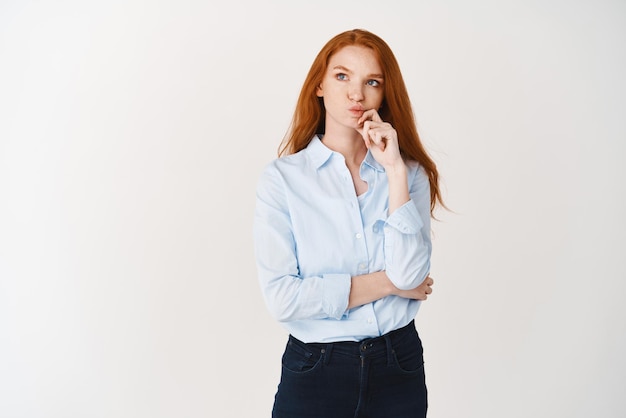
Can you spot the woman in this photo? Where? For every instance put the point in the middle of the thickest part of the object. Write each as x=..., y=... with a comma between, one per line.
x=342, y=239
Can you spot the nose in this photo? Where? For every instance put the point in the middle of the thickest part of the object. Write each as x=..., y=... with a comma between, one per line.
x=356, y=93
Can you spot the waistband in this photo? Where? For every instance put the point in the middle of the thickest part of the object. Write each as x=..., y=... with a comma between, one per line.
x=369, y=347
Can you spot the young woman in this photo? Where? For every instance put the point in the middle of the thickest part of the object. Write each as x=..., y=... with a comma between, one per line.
x=342, y=239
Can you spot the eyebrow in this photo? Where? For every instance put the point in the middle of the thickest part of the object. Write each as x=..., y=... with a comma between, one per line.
x=342, y=68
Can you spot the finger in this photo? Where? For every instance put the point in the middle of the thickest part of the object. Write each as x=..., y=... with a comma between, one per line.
x=364, y=131
x=386, y=130
x=370, y=114
x=380, y=134
x=377, y=137
x=378, y=125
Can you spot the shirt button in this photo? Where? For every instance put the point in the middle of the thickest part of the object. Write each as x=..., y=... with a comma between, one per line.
x=362, y=266
x=358, y=236
x=369, y=320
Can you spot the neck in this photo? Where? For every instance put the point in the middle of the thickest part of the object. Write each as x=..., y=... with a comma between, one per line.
x=348, y=143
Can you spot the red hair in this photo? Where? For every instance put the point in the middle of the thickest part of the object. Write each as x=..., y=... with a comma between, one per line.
x=309, y=115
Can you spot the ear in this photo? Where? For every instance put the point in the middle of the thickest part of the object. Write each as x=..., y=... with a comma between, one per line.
x=319, y=91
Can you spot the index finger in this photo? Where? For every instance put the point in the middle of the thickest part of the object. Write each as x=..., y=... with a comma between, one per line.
x=370, y=114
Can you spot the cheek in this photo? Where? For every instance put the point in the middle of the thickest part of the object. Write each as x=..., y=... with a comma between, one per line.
x=332, y=93
x=377, y=100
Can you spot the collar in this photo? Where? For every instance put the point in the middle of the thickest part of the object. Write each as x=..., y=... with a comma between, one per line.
x=320, y=154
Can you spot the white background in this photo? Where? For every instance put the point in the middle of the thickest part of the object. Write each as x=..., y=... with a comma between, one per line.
x=131, y=137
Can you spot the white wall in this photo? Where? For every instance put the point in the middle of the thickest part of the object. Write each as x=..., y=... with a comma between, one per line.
x=131, y=137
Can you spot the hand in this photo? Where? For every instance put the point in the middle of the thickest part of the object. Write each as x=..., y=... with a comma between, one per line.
x=380, y=138
x=421, y=292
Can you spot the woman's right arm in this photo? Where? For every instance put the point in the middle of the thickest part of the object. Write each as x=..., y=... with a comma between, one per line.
x=287, y=294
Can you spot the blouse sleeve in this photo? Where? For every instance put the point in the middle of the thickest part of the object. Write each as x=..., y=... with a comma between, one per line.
x=287, y=295
x=407, y=236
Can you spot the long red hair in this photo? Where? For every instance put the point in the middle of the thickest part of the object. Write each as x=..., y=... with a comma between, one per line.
x=309, y=115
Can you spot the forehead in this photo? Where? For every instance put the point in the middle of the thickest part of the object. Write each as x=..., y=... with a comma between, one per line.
x=358, y=59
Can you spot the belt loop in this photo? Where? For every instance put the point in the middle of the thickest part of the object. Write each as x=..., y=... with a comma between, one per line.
x=389, y=349
x=327, y=353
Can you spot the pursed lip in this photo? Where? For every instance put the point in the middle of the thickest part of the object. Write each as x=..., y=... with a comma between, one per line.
x=356, y=110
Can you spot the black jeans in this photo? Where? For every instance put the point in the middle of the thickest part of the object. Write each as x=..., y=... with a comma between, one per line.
x=379, y=377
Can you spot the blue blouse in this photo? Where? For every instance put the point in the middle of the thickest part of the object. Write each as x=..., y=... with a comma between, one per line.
x=312, y=233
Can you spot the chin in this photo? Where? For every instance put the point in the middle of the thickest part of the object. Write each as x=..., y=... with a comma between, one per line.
x=353, y=122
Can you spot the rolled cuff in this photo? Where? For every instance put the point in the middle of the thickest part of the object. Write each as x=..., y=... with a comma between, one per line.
x=336, y=292
x=406, y=219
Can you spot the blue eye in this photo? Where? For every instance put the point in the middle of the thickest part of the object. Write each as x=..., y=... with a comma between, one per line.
x=373, y=83
x=342, y=76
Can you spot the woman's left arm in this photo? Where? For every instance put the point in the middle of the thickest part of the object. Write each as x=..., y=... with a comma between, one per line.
x=407, y=228
x=407, y=233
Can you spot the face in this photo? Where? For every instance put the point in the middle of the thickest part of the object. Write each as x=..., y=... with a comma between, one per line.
x=353, y=83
